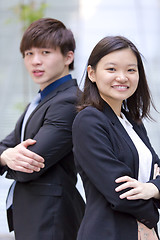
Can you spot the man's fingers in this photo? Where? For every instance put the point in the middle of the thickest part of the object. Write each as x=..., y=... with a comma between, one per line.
x=33, y=156
x=28, y=142
x=27, y=153
x=22, y=169
x=32, y=164
x=20, y=158
x=26, y=170
x=31, y=161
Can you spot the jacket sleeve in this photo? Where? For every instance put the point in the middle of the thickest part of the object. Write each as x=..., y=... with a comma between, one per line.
x=8, y=142
x=53, y=140
x=95, y=155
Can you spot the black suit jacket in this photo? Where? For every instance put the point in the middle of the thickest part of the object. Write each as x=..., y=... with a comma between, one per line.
x=103, y=152
x=46, y=204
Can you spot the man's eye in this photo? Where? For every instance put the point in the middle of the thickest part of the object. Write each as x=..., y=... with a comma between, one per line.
x=45, y=52
x=28, y=53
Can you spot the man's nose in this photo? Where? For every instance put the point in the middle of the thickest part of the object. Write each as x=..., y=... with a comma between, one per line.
x=36, y=59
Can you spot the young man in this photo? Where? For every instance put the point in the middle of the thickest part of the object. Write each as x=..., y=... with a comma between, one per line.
x=38, y=153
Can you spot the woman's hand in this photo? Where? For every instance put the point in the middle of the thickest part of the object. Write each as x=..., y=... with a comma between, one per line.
x=137, y=189
x=156, y=171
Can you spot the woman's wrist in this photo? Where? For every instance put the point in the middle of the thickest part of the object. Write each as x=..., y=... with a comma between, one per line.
x=155, y=191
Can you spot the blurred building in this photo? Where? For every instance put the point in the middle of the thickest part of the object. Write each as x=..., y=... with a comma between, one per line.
x=90, y=20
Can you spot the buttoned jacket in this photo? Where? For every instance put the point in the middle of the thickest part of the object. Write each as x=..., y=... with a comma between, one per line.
x=103, y=152
x=46, y=204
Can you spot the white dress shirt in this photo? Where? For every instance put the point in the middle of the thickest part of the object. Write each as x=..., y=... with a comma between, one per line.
x=145, y=156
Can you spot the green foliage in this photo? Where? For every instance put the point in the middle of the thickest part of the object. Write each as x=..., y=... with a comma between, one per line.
x=20, y=106
x=28, y=13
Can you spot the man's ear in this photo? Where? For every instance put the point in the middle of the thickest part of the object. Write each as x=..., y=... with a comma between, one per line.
x=91, y=73
x=69, y=58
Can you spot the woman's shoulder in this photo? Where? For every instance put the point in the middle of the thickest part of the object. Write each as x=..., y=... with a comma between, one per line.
x=89, y=116
x=90, y=111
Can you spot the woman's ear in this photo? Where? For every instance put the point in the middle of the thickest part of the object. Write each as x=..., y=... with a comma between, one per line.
x=91, y=73
x=69, y=58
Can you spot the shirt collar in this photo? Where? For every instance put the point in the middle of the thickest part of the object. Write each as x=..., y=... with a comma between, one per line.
x=54, y=85
x=124, y=121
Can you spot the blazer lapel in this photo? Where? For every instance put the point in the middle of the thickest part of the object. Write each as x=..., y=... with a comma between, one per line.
x=143, y=135
x=51, y=95
x=123, y=133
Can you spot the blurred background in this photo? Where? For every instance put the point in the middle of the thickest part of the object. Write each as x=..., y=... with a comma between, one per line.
x=90, y=20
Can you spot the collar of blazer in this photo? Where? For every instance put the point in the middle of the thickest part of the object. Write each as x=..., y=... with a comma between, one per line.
x=139, y=129
x=62, y=87
x=112, y=117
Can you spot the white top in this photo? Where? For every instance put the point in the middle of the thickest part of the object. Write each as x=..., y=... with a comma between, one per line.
x=145, y=156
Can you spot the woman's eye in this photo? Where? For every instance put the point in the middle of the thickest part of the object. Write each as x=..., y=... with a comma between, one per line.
x=131, y=70
x=111, y=69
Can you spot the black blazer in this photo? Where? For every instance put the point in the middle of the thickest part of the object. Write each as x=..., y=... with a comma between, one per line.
x=46, y=204
x=103, y=152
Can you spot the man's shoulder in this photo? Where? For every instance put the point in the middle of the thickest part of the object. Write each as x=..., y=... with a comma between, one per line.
x=68, y=90
x=70, y=86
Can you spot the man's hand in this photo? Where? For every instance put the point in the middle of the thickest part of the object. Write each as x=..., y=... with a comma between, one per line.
x=22, y=159
x=138, y=189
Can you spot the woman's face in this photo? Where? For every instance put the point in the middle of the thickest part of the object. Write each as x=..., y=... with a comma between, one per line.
x=116, y=77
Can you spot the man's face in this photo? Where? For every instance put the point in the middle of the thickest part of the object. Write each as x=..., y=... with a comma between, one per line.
x=46, y=65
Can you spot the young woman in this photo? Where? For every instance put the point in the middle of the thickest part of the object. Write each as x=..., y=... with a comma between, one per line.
x=113, y=154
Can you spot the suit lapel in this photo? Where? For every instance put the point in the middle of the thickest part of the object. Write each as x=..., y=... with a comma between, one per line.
x=52, y=94
x=143, y=135
x=61, y=88
x=138, y=129
x=123, y=133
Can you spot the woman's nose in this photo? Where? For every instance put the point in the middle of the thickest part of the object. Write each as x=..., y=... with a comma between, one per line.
x=121, y=78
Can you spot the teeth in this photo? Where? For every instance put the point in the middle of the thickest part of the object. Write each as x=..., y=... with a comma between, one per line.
x=120, y=87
